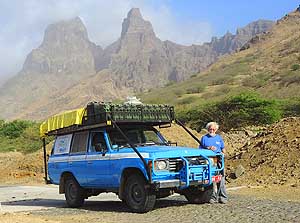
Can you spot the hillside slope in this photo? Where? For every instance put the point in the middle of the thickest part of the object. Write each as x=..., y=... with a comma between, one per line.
x=269, y=64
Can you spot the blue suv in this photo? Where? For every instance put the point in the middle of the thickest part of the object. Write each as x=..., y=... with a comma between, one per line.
x=123, y=152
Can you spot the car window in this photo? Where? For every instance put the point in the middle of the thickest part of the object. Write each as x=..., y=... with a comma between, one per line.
x=79, y=142
x=151, y=136
x=136, y=136
x=62, y=144
x=98, y=143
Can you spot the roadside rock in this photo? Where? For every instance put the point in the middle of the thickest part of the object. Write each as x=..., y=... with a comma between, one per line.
x=272, y=156
x=239, y=171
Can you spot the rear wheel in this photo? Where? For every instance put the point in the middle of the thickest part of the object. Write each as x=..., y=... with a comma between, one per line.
x=196, y=196
x=138, y=198
x=74, y=194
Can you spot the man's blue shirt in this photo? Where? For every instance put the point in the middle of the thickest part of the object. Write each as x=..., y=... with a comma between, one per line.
x=215, y=141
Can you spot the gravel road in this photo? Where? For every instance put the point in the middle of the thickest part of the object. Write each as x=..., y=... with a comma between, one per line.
x=43, y=204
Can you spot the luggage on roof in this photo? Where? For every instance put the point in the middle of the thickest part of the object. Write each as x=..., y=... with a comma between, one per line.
x=104, y=112
x=65, y=119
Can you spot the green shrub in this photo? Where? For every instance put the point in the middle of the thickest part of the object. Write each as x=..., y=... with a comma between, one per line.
x=291, y=107
x=238, y=111
x=14, y=129
x=178, y=92
x=21, y=136
x=187, y=100
x=221, y=80
x=295, y=67
x=170, y=83
x=195, y=90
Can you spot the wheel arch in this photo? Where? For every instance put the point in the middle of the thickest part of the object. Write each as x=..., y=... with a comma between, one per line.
x=125, y=174
x=63, y=177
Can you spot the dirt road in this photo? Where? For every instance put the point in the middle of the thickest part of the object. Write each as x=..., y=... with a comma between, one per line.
x=43, y=204
x=29, y=198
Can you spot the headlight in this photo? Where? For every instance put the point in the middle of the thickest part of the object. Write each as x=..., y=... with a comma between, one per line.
x=161, y=165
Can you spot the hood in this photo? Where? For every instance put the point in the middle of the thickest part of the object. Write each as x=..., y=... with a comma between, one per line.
x=169, y=151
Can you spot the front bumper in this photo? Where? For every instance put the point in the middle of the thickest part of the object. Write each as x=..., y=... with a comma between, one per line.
x=189, y=173
x=176, y=183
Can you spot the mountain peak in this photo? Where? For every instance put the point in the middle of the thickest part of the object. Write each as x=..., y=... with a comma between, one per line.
x=255, y=27
x=134, y=13
x=134, y=23
x=60, y=30
x=65, y=49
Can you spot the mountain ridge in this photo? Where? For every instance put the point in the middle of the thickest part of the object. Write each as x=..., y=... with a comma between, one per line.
x=268, y=63
x=67, y=61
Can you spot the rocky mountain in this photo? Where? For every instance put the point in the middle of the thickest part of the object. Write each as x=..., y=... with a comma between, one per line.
x=64, y=58
x=142, y=61
x=229, y=43
x=65, y=49
x=67, y=69
x=268, y=64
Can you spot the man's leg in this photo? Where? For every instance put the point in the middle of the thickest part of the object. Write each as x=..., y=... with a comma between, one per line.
x=214, y=195
x=222, y=195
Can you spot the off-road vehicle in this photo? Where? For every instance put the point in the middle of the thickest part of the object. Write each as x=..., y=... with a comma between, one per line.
x=117, y=148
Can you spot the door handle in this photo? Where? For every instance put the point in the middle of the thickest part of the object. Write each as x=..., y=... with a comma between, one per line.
x=89, y=162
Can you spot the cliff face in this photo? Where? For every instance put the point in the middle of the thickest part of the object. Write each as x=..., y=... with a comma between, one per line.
x=65, y=57
x=65, y=49
x=142, y=61
x=229, y=43
x=139, y=60
x=67, y=61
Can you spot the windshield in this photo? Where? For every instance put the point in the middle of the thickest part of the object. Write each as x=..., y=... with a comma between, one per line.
x=139, y=136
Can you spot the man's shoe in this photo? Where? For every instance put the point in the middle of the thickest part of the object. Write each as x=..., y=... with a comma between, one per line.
x=222, y=201
x=212, y=201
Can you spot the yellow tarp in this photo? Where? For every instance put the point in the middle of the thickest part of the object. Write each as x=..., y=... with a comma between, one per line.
x=65, y=119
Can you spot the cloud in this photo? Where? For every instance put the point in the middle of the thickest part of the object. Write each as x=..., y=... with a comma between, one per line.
x=22, y=24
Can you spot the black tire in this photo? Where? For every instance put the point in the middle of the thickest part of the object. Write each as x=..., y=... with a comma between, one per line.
x=138, y=198
x=196, y=196
x=74, y=194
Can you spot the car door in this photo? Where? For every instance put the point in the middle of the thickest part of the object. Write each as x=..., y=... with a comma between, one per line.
x=77, y=156
x=58, y=161
x=98, y=160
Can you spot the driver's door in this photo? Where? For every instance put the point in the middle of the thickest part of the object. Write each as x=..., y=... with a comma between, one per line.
x=98, y=160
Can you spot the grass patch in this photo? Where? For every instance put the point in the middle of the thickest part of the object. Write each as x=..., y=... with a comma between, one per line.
x=20, y=136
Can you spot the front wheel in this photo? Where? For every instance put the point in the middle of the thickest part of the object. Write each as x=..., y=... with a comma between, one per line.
x=196, y=196
x=74, y=194
x=138, y=198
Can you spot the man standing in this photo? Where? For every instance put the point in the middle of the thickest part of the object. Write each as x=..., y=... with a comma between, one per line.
x=215, y=143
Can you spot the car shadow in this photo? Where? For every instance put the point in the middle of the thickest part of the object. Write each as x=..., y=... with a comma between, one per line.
x=119, y=206
x=93, y=205
x=35, y=203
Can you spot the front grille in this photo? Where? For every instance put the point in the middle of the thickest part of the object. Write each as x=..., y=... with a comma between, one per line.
x=197, y=160
x=175, y=164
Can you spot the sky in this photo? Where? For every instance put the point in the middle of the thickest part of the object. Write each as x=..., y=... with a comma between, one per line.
x=23, y=22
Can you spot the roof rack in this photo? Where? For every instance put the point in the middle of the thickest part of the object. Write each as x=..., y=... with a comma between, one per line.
x=100, y=114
